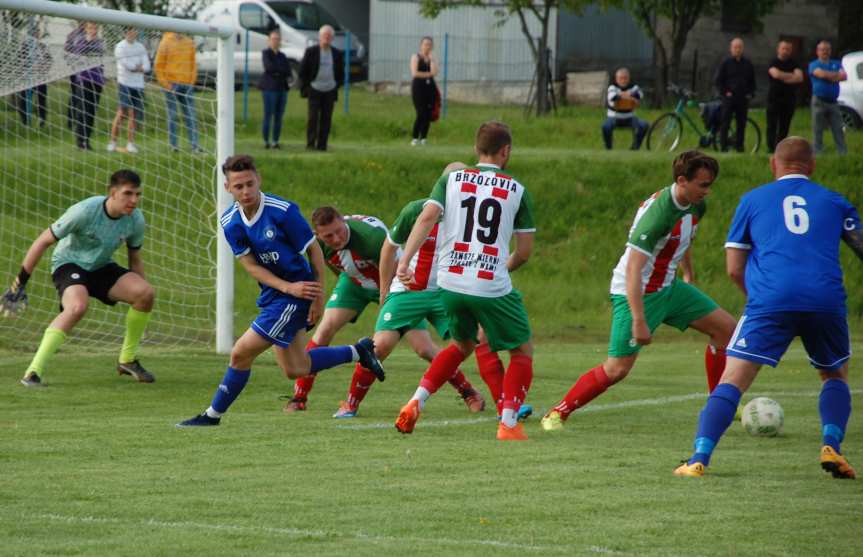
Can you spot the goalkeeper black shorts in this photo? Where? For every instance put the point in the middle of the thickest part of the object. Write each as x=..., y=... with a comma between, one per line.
x=98, y=281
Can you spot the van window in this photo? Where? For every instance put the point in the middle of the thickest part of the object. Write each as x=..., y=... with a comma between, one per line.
x=254, y=18
x=860, y=70
x=303, y=15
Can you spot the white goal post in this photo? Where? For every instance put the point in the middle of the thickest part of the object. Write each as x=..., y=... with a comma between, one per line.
x=222, y=126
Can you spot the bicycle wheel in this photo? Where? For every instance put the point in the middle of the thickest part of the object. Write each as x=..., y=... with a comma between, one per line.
x=751, y=138
x=665, y=133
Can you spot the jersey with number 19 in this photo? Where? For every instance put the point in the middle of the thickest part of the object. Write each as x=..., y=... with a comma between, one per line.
x=482, y=208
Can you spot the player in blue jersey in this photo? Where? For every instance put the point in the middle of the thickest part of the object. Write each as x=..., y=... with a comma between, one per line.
x=783, y=252
x=275, y=245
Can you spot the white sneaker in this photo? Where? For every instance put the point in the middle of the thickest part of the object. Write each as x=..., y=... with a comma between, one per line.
x=414, y=142
x=112, y=146
x=131, y=148
x=422, y=141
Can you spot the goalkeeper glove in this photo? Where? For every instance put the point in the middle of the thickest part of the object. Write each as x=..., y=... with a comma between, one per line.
x=14, y=300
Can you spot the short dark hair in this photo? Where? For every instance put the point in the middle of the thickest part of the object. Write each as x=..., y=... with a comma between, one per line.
x=492, y=136
x=238, y=163
x=323, y=216
x=124, y=176
x=687, y=164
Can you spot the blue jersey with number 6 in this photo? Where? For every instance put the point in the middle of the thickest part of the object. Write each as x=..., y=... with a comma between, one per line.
x=792, y=228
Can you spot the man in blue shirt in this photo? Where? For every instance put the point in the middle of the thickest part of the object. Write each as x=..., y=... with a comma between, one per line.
x=783, y=252
x=272, y=241
x=826, y=75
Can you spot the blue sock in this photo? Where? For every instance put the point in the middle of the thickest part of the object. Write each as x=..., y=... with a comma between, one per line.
x=715, y=418
x=231, y=387
x=834, y=405
x=325, y=357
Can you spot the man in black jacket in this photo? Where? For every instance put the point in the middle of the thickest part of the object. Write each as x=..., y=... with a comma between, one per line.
x=735, y=81
x=321, y=73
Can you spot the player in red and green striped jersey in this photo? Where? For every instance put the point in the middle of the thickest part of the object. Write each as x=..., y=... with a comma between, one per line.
x=645, y=290
x=351, y=246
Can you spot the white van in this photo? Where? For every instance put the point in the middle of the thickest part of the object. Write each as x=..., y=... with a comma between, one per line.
x=298, y=21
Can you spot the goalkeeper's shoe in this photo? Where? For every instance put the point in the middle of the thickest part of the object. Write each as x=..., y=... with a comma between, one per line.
x=366, y=350
x=835, y=463
x=473, y=400
x=136, y=370
x=295, y=405
x=346, y=410
x=408, y=417
x=201, y=420
x=14, y=301
x=694, y=470
x=511, y=433
x=553, y=421
x=32, y=379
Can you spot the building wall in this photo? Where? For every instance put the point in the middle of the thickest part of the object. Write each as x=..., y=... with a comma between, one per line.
x=478, y=49
x=601, y=40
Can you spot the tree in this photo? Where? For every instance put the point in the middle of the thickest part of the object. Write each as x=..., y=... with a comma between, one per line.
x=523, y=10
x=682, y=16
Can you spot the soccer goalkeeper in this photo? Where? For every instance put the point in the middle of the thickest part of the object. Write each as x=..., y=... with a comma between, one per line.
x=82, y=267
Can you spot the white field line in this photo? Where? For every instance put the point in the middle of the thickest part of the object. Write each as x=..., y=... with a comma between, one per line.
x=659, y=401
x=273, y=531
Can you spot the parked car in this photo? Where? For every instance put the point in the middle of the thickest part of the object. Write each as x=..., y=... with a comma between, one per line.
x=298, y=21
x=851, y=91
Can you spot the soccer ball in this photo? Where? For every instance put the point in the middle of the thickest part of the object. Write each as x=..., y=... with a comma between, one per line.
x=763, y=417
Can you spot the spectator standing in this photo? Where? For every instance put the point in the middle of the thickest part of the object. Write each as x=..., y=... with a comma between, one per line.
x=37, y=61
x=621, y=101
x=176, y=72
x=735, y=81
x=88, y=83
x=321, y=72
x=74, y=96
x=274, y=85
x=785, y=77
x=424, y=68
x=826, y=74
x=132, y=64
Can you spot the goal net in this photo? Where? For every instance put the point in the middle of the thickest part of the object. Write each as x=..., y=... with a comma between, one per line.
x=64, y=82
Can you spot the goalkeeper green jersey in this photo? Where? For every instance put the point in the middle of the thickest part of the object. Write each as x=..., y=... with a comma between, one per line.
x=482, y=208
x=88, y=236
x=663, y=230
x=424, y=262
x=359, y=258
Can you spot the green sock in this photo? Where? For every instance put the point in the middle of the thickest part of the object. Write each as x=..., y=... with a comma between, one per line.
x=51, y=341
x=136, y=322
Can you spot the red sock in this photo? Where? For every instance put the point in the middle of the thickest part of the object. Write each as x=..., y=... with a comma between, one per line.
x=460, y=382
x=303, y=385
x=491, y=371
x=442, y=368
x=361, y=382
x=588, y=387
x=714, y=364
x=516, y=381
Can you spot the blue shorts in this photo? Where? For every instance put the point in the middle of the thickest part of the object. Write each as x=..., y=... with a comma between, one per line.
x=279, y=320
x=130, y=97
x=763, y=339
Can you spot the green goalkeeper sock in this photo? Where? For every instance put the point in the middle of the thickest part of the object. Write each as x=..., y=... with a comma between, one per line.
x=51, y=341
x=136, y=322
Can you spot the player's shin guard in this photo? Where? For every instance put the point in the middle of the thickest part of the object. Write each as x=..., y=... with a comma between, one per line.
x=714, y=419
x=834, y=405
x=51, y=341
x=361, y=382
x=516, y=384
x=442, y=368
x=230, y=388
x=136, y=322
x=714, y=365
x=491, y=371
x=588, y=387
x=303, y=385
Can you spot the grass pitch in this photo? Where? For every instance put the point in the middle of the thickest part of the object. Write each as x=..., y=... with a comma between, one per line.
x=92, y=465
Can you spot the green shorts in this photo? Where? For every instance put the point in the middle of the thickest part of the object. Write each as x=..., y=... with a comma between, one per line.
x=678, y=305
x=349, y=295
x=403, y=311
x=503, y=319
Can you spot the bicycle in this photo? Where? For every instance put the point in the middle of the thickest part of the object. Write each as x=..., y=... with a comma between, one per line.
x=667, y=131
